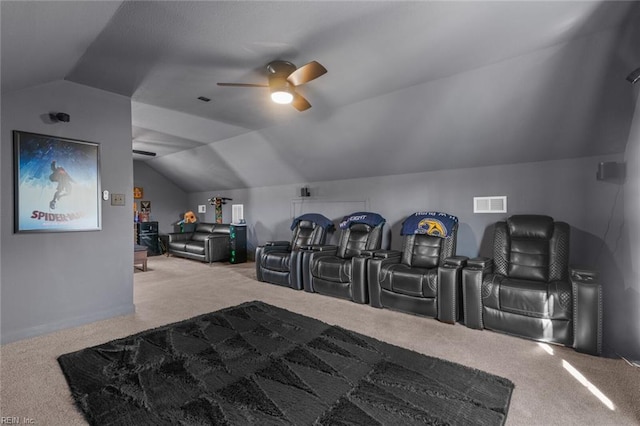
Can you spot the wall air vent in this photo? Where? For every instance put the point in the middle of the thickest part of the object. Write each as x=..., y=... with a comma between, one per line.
x=496, y=204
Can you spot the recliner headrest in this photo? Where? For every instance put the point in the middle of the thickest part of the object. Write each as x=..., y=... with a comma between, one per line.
x=306, y=224
x=531, y=226
x=371, y=219
x=316, y=218
x=360, y=227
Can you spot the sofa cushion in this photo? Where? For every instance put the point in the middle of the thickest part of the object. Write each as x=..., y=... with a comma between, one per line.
x=177, y=246
x=195, y=247
x=200, y=236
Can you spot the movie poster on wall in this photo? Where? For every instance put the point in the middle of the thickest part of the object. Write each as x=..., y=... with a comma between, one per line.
x=57, y=184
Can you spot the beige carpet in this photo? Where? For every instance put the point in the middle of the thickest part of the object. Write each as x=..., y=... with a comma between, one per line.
x=32, y=384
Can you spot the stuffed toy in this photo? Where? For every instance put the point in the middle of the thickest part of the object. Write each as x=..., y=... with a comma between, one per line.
x=190, y=217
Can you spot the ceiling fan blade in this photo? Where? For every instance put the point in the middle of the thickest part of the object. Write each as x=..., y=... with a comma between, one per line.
x=300, y=103
x=242, y=85
x=149, y=153
x=306, y=73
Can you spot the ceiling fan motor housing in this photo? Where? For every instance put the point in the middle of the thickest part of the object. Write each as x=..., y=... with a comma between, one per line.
x=278, y=73
x=278, y=82
x=280, y=68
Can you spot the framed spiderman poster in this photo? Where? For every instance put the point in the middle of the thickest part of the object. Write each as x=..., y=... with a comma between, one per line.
x=57, y=184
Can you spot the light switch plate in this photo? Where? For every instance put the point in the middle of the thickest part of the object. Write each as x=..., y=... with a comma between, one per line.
x=202, y=208
x=117, y=199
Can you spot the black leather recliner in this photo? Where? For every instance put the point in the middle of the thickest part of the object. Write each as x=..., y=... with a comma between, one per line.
x=341, y=271
x=280, y=262
x=528, y=289
x=425, y=277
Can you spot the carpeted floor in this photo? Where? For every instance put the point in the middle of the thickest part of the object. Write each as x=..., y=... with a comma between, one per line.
x=258, y=364
x=547, y=391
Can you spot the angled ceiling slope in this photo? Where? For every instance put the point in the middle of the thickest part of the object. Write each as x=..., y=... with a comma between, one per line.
x=412, y=84
x=43, y=41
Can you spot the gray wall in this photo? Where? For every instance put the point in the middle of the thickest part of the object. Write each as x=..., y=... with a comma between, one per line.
x=620, y=261
x=564, y=189
x=168, y=202
x=50, y=281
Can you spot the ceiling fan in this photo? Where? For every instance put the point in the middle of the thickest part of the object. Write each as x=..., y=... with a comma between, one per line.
x=283, y=78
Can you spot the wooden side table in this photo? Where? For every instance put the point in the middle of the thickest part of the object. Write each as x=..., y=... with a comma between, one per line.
x=140, y=257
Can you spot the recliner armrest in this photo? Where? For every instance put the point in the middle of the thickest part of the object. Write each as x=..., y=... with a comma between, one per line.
x=317, y=247
x=587, y=311
x=381, y=258
x=275, y=249
x=583, y=275
x=386, y=254
x=277, y=243
x=309, y=254
x=449, y=302
x=217, y=236
x=472, y=276
x=480, y=263
x=455, y=262
x=359, y=278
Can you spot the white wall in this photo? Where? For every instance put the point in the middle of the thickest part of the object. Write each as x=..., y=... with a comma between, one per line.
x=50, y=281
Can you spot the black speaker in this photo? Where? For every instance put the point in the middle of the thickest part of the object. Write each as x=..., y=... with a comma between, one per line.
x=634, y=76
x=60, y=116
x=610, y=170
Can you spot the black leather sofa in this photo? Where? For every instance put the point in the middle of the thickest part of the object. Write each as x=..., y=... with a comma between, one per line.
x=425, y=277
x=528, y=289
x=209, y=242
x=280, y=262
x=341, y=271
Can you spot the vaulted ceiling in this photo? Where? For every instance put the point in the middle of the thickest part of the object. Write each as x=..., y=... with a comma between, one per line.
x=411, y=86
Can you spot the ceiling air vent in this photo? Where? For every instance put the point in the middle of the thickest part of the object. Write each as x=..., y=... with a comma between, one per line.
x=490, y=204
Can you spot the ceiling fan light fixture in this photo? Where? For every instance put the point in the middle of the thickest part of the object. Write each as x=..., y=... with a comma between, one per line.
x=281, y=96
